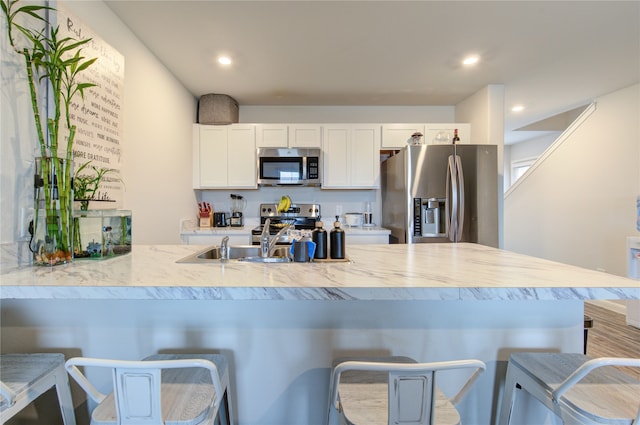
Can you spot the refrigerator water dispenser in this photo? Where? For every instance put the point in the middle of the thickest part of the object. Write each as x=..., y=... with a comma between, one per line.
x=429, y=217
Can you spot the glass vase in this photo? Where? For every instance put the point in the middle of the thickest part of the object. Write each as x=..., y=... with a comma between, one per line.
x=52, y=240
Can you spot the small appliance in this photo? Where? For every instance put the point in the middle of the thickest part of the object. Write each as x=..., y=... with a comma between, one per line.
x=220, y=219
x=238, y=203
x=300, y=216
x=289, y=167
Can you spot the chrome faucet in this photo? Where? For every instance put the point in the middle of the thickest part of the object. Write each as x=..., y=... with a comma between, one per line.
x=267, y=242
x=224, y=249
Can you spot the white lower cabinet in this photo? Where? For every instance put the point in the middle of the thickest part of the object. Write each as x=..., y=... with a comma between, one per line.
x=224, y=157
x=351, y=156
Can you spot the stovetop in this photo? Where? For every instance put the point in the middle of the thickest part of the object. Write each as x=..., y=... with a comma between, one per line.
x=295, y=211
x=300, y=216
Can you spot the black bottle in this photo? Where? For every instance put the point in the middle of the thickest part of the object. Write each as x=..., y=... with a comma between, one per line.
x=319, y=236
x=456, y=139
x=337, y=241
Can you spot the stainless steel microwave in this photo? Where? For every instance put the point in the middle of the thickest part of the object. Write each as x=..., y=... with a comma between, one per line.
x=289, y=167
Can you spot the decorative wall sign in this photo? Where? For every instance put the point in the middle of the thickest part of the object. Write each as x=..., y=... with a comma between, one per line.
x=99, y=117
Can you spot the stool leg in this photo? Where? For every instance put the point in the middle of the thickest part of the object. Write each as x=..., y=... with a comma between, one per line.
x=508, y=396
x=64, y=396
x=586, y=334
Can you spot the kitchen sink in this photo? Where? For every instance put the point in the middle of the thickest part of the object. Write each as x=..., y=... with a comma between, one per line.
x=247, y=253
x=275, y=259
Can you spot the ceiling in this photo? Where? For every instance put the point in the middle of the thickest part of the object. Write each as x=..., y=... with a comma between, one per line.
x=551, y=56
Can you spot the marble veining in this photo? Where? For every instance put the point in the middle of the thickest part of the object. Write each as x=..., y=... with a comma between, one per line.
x=376, y=272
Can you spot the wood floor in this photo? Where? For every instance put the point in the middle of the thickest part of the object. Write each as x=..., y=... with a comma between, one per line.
x=610, y=336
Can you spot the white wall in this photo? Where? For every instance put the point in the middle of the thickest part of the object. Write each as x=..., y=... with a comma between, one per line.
x=157, y=116
x=18, y=141
x=532, y=148
x=578, y=205
x=346, y=114
x=484, y=110
x=158, y=113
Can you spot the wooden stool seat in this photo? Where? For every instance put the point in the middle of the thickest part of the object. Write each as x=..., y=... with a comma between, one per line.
x=24, y=377
x=575, y=387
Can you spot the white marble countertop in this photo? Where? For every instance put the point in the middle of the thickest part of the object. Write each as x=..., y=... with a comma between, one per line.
x=375, y=272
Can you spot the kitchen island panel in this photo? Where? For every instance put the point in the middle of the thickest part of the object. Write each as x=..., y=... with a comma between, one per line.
x=282, y=324
x=281, y=351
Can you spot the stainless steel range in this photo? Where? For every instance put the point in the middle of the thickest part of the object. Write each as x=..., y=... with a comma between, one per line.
x=300, y=216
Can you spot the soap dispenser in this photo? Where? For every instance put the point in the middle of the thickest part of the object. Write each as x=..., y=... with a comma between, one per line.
x=319, y=236
x=337, y=240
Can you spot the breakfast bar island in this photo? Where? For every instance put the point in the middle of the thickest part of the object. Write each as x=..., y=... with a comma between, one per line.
x=282, y=324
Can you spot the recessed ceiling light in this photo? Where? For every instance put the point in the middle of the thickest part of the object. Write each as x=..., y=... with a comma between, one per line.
x=471, y=60
x=224, y=60
x=518, y=108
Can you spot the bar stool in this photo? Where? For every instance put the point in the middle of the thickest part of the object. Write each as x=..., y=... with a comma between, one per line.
x=164, y=388
x=575, y=387
x=394, y=390
x=24, y=377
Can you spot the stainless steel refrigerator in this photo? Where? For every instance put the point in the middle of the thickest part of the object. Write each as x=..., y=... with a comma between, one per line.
x=441, y=193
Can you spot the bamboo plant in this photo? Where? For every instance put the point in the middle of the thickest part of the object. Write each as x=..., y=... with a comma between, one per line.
x=57, y=62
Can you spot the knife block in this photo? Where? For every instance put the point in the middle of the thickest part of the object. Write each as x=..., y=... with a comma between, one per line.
x=205, y=219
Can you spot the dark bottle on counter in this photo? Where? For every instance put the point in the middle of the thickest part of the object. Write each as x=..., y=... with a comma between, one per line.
x=319, y=236
x=456, y=139
x=337, y=241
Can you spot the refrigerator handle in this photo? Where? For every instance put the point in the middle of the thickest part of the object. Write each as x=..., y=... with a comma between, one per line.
x=447, y=200
x=461, y=197
x=452, y=197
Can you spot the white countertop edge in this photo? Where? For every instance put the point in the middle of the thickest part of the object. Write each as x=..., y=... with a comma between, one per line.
x=314, y=294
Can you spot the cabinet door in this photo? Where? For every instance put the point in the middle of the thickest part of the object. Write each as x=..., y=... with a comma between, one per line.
x=397, y=136
x=305, y=136
x=434, y=131
x=241, y=157
x=210, y=159
x=335, y=157
x=272, y=136
x=351, y=156
x=365, y=156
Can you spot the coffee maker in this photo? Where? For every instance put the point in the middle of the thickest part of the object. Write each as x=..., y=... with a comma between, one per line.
x=238, y=203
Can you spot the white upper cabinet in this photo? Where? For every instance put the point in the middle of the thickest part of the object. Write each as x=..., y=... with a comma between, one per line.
x=305, y=135
x=289, y=136
x=351, y=156
x=272, y=136
x=397, y=136
x=224, y=157
x=434, y=133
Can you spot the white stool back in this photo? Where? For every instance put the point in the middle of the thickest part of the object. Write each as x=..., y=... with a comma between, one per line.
x=181, y=389
x=395, y=390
